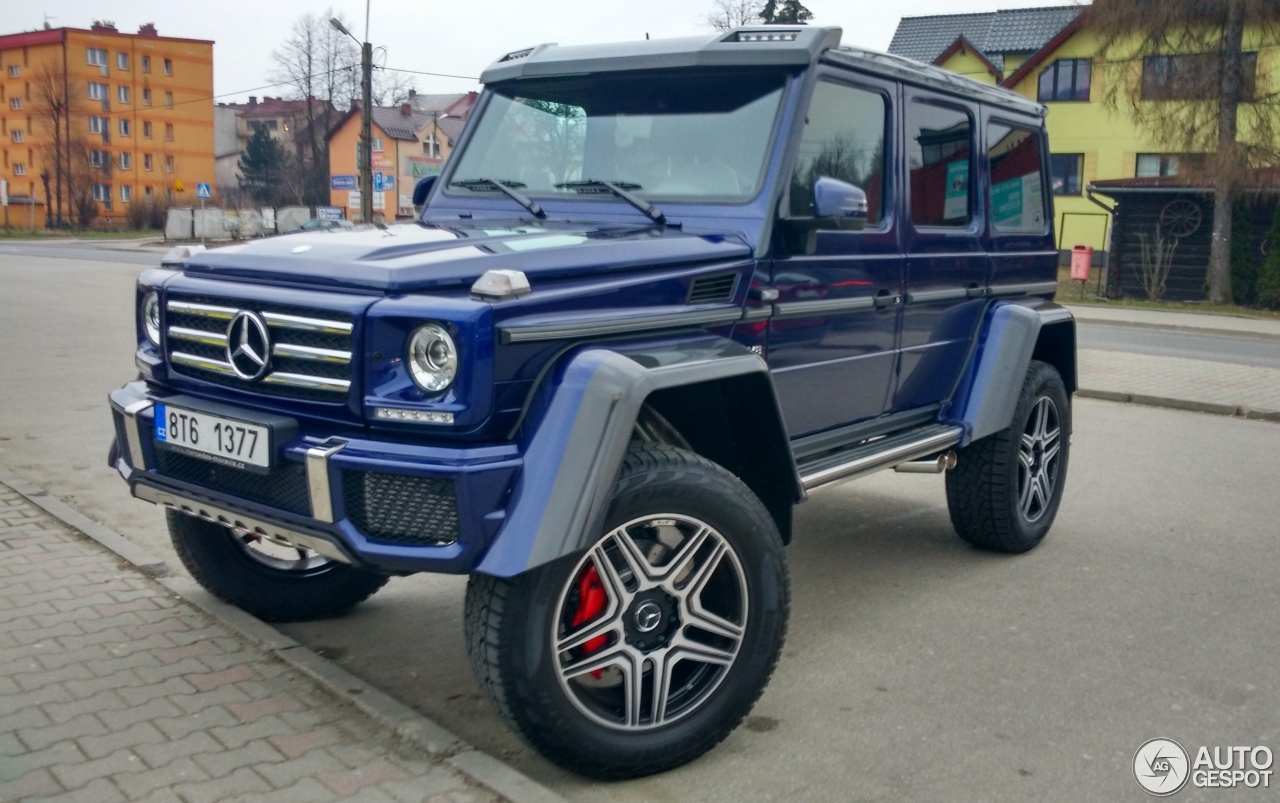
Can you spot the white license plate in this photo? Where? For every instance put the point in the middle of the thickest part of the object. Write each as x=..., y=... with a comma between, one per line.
x=238, y=444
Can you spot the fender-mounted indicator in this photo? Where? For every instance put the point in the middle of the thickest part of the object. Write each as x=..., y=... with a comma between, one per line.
x=500, y=285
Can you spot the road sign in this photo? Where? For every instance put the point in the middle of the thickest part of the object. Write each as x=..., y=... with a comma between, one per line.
x=388, y=181
x=177, y=185
x=377, y=182
x=342, y=182
x=328, y=213
x=203, y=190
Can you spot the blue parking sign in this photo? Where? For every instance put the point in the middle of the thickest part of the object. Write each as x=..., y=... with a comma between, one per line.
x=377, y=182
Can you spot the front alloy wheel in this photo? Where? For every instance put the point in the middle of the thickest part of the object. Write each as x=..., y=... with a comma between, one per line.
x=651, y=622
x=646, y=649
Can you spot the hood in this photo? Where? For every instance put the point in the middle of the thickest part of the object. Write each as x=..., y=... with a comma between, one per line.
x=415, y=257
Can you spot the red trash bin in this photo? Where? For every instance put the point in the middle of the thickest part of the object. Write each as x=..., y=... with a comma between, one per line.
x=1081, y=261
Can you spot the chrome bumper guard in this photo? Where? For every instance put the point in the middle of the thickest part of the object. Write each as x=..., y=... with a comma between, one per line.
x=236, y=520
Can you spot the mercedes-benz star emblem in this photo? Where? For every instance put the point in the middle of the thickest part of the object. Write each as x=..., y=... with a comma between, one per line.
x=648, y=617
x=248, y=346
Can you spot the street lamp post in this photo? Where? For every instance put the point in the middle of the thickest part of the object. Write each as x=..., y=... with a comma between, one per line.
x=365, y=162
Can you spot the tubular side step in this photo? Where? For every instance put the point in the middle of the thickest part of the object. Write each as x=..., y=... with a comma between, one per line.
x=884, y=453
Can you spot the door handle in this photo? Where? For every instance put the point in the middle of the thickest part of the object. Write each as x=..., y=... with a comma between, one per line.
x=884, y=299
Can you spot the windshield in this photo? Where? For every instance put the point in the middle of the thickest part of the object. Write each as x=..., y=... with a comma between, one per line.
x=691, y=135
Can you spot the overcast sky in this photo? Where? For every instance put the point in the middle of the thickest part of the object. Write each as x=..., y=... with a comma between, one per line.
x=447, y=37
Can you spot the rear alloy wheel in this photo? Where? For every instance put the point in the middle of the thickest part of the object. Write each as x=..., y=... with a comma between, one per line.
x=646, y=650
x=1005, y=490
x=273, y=581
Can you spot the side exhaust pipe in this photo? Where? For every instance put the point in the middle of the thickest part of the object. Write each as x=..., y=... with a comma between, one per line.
x=936, y=465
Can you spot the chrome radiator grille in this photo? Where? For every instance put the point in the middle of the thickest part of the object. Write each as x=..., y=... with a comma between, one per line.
x=310, y=351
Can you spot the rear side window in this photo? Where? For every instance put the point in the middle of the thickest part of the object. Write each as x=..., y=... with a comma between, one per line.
x=940, y=155
x=844, y=137
x=1017, y=178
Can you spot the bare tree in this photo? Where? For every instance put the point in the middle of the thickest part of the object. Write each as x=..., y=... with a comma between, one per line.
x=56, y=105
x=1186, y=71
x=317, y=63
x=725, y=15
x=1156, y=262
x=392, y=87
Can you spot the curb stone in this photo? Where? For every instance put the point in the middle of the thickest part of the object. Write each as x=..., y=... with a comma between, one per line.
x=383, y=709
x=1192, y=330
x=1180, y=404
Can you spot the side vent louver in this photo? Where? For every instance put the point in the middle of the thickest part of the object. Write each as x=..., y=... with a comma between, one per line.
x=709, y=289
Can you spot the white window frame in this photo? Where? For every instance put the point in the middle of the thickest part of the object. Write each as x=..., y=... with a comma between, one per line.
x=99, y=158
x=146, y=129
x=98, y=90
x=146, y=162
x=168, y=66
x=376, y=144
x=17, y=135
x=126, y=130
x=102, y=192
x=122, y=93
x=146, y=63
x=99, y=124
x=168, y=99
x=126, y=160
x=93, y=54
x=122, y=61
x=168, y=164
x=19, y=168
x=15, y=103
x=126, y=193
x=168, y=132
x=15, y=70
x=146, y=96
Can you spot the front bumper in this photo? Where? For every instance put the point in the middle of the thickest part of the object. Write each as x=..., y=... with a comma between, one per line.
x=396, y=507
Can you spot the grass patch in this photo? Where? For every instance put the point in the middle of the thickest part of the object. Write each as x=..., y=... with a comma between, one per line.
x=1069, y=293
x=14, y=233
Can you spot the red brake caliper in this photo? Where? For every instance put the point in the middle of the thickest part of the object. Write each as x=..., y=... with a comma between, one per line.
x=591, y=601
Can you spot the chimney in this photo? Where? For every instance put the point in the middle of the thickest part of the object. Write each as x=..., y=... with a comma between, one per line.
x=103, y=25
x=253, y=100
x=148, y=29
x=413, y=93
x=406, y=109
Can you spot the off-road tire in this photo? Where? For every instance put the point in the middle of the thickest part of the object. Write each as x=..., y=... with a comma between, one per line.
x=982, y=490
x=219, y=563
x=509, y=621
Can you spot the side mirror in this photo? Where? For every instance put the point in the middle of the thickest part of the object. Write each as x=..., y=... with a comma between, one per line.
x=840, y=202
x=421, y=190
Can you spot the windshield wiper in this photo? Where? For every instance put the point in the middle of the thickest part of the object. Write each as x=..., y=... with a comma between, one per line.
x=620, y=189
x=509, y=188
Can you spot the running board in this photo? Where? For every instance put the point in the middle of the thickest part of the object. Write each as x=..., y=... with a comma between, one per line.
x=884, y=453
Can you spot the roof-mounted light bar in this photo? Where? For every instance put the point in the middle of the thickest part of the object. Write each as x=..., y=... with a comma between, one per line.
x=764, y=36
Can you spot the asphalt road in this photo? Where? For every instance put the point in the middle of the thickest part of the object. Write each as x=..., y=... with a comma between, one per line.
x=1258, y=351
x=916, y=667
x=102, y=251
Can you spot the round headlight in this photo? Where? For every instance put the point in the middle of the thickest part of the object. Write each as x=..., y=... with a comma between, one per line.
x=151, y=317
x=433, y=359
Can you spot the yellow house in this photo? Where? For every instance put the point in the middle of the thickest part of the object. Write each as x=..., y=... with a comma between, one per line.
x=407, y=145
x=140, y=102
x=1050, y=55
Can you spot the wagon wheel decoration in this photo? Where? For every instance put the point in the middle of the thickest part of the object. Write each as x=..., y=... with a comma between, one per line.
x=1180, y=218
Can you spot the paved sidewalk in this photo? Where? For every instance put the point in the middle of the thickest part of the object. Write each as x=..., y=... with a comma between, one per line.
x=1204, y=385
x=113, y=689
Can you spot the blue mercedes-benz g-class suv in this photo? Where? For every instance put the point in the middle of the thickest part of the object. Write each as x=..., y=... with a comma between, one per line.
x=660, y=293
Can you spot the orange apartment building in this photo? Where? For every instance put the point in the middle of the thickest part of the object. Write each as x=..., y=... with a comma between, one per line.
x=141, y=102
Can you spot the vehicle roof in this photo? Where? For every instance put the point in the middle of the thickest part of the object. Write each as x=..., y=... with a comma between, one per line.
x=798, y=46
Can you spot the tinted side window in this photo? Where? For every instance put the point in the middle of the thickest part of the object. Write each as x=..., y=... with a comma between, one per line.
x=939, y=153
x=843, y=139
x=1017, y=178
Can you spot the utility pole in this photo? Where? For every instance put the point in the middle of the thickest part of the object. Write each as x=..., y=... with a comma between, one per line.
x=365, y=162
x=366, y=134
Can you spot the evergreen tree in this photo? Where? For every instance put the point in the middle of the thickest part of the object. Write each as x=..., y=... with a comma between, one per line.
x=262, y=167
x=1269, y=276
x=785, y=12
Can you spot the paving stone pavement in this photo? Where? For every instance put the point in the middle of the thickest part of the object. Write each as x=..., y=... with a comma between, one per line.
x=1248, y=388
x=113, y=689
